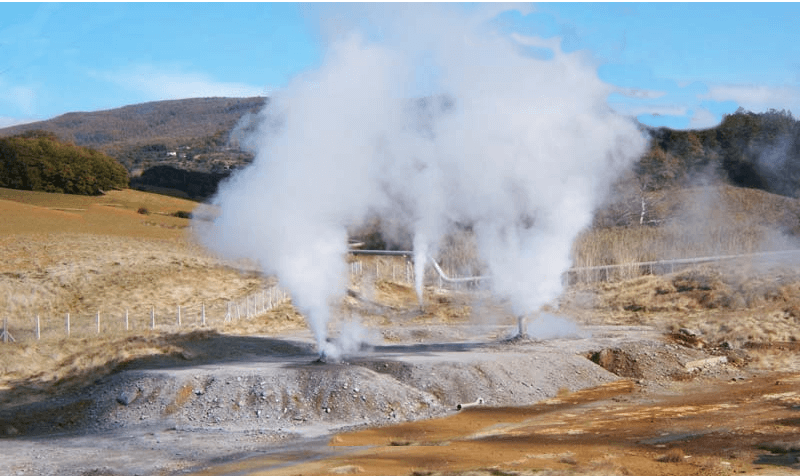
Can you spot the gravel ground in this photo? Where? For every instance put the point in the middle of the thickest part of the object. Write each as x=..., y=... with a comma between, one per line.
x=234, y=396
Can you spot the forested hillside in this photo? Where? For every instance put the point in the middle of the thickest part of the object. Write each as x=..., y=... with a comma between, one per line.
x=747, y=149
x=190, y=134
x=186, y=145
x=39, y=161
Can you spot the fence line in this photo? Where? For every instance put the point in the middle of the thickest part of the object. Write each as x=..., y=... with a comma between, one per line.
x=448, y=279
x=183, y=316
x=627, y=270
x=262, y=301
x=379, y=269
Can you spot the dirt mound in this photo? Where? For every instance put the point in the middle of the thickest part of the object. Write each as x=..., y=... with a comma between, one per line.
x=659, y=364
x=242, y=383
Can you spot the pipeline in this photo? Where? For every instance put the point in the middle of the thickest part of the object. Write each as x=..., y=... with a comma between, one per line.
x=671, y=262
x=476, y=403
x=448, y=279
x=439, y=271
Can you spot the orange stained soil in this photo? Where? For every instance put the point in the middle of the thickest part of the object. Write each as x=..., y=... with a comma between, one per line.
x=736, y=427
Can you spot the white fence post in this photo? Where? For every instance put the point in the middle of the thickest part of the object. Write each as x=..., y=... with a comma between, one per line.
x=203, y=314
x=153, y=317
x=179, y=315
x=97, y=321
x=126, y=320
x=67, y=324
x=6, y=335
x=38, y=328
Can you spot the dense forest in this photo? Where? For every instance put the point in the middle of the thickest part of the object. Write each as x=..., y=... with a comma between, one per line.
x=37, y=160
x=747, y=150
x=190, y=184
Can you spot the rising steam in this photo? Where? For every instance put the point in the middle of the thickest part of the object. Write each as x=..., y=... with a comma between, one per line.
x=442, y=121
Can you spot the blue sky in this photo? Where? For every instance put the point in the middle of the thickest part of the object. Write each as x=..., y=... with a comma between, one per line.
x=678, y=65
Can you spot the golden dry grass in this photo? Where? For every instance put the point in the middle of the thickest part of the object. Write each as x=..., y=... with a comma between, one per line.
x=33, y=369
x=83, y=255
x=726, y=308
x=696, y=222
x=104, y=256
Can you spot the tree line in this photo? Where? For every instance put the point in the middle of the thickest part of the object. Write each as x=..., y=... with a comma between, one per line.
x=753, y=150
x=37, y=160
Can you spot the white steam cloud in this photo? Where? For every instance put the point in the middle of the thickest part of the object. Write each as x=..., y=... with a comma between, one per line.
x=442, y=121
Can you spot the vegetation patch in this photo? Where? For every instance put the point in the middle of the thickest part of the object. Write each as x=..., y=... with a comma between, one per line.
x=39, y=161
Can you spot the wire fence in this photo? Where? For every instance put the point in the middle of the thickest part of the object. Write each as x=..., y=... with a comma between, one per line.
x=397, y=268
x=141, y=318
x=69, y=324
x=616, y=272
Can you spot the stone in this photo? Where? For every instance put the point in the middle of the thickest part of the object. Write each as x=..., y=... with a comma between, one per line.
x=127, y=397
x=689, y=332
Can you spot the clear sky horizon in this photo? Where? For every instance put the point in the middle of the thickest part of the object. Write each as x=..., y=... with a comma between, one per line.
x=679, y=65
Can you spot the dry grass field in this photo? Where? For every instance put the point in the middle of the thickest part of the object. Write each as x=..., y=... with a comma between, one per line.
x=83, y=255
x=697, y=222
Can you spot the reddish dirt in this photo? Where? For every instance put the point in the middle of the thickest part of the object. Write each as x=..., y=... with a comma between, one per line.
x=699, y=428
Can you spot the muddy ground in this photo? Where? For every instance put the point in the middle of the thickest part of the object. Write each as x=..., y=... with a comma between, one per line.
x=234, y=404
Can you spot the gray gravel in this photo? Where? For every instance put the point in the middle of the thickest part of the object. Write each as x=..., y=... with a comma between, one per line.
x=162, y=416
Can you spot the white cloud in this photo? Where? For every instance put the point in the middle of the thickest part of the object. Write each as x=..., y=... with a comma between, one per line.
x=757, y=98
x=20, y=98
x=639, y=93
x=14, y=121
x=703, y=119
x=163, y=83
x=631, y=109
x=553, y=43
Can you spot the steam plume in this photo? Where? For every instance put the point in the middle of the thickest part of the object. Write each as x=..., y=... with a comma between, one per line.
x=441, y=122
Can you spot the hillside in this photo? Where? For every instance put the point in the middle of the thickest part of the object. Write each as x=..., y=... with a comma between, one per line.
x=189, y=140
x=189, y=134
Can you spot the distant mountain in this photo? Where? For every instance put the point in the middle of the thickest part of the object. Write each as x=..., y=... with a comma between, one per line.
x=188, y=134
x=187, y=144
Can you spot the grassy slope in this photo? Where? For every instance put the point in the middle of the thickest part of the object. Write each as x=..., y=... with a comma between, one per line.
x=696, y=222
x=79, y=255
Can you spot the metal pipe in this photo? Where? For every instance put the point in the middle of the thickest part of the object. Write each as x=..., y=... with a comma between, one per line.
x=673, y=262
x=704, y=259
x=476, y=403
x=448, y=279
x=382, y=252
x=436, y=266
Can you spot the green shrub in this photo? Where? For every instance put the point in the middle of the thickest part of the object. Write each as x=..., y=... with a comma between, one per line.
x=38, y=161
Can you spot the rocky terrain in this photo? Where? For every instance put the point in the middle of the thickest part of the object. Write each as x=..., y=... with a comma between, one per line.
x=225, y=397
